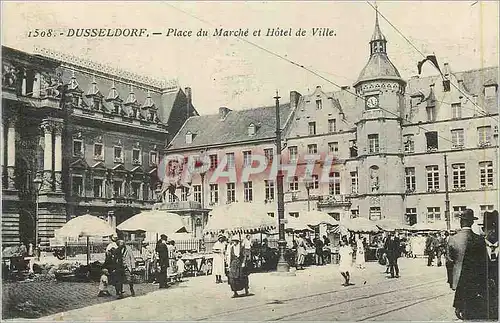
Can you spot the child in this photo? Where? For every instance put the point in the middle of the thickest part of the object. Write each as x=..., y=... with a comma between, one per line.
x=103, y=284
x=180, y=268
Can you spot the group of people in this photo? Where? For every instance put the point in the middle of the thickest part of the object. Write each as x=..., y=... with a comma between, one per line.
x=435, y=247
x=166, y=261
x=120, y=263
x=119, y=266
x=233, y=258
x=321, y=249
x=472, y=268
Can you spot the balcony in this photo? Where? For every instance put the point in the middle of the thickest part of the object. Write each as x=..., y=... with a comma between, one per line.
x=334, y=200
x=180, y=205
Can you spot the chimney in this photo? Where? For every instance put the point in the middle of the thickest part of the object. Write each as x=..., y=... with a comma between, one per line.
x=223, y=112
x=189, y=101
x=294, y=99
x=446, y=70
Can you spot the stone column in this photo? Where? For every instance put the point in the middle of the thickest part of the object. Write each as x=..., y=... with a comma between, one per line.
x=58, y=127
x=47, y=127
x=11, y=152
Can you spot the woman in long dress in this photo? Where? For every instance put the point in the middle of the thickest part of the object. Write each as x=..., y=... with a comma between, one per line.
x=345, y=263
x=301, y=251
x=238, y=273
x=218, y=261
x=360, y=254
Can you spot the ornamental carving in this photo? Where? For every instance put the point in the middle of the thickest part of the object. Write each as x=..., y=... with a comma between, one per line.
x=58, y=128
x=47, y=126
x=374, y=179
x=9, y=75
x=375, y=200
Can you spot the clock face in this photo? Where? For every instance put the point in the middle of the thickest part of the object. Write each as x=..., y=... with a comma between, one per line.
x=372, y=102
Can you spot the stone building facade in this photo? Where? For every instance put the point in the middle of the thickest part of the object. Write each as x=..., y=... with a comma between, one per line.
x=91, y=135
x=386, y=138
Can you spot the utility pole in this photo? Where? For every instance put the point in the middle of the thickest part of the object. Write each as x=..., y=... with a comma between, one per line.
x=282, y=263
x=447, y=194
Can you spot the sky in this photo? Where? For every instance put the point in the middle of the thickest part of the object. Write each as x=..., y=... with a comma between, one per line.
x=230, y=72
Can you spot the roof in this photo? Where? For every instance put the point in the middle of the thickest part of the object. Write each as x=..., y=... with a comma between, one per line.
x=108, y=88
x=377, y=33
x=212, y=130
x=472, y=82
x=378, y=66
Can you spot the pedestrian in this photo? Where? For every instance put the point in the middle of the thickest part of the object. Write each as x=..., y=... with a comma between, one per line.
x=172, y=259
x=162, y=250
x=301, y=251
x=490, y=271
x=393, y=249
x=440, y=247
x=126, y=266
x=345, y=263
x=181, y=268
x=247, y=249
x=318, y=245
x=327, y=255
x=238, y=274
x=487, y=269
x=218, y=261
x=463, y=252
x=111, y=263
x=103, y=284
x=431, y=245
x=360, y=253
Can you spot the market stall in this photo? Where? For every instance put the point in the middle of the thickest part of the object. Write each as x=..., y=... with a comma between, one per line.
x=245, y=218
x=153, y=224
x=85, y=226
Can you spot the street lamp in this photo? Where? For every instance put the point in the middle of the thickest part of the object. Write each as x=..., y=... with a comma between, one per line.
x=38, y=185
x=309, y=186
x=283, y=266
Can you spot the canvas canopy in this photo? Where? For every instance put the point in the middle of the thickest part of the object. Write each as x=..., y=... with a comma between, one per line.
x=391, y=225
x=155, y=221
x=437, y=226
x=85, y=226
x=240, y=217
x=359, y=225
x=310, y=218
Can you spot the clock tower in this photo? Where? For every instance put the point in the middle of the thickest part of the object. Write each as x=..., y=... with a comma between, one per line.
x=380, y=97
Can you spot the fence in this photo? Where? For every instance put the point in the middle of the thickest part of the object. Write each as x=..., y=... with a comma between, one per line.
x=188, y=245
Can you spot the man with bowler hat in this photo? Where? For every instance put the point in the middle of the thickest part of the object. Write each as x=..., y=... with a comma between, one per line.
x=463, y=251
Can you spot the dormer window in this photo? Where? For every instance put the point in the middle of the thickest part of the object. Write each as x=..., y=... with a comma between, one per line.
x=189, y=137
x=251, y=130
x=490, y=90
x=319, y=104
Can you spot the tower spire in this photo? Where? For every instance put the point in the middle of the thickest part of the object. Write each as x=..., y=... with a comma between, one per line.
x=378, y=42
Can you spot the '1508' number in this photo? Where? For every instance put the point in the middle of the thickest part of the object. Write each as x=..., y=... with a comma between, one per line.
x=41, y=33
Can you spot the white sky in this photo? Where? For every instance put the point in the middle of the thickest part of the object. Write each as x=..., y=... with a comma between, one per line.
x=229, y=72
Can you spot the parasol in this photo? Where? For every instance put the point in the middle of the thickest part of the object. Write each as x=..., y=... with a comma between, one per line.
x=85, y=226
x=155, y=221
x=359, y=225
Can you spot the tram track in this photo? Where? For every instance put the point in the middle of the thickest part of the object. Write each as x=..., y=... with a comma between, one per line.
x=287, y=301
x=354, y=299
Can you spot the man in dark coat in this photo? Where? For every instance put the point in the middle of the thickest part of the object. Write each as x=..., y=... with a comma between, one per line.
x=465, y=256
x=162, y=250
x=392, y=247
x=490, y=270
